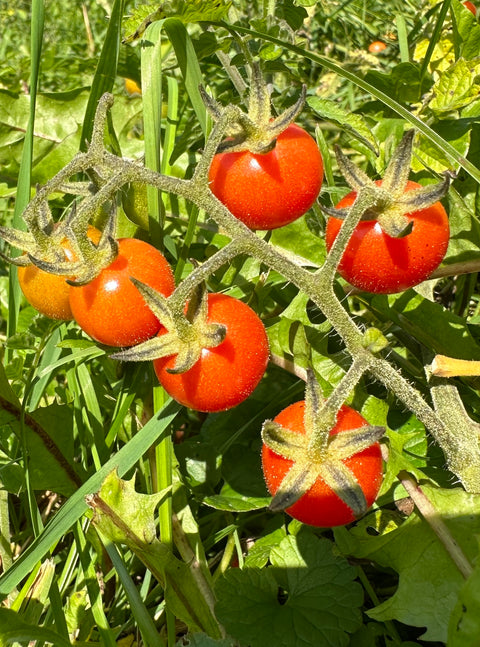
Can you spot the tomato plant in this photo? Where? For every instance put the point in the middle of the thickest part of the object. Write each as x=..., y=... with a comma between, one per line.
x=320, y=506
x=49, y=293
x=110, y=309
x=226, y=374
x=269, y=190
x=376, y=262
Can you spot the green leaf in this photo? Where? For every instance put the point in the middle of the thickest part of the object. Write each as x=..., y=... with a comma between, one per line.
x=351, y=122
x=428, y=155
x=429, y=581
x=464, y=625
x=428, y=322
x=259, y=554
x=13, y=629
x=185, y=10
x=307, y=597
x=468, y=29
x=127, y=517
x=456, y=87
x=137, y=511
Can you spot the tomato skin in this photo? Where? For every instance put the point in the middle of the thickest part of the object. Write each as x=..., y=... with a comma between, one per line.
x=320, y=506
x=470, y=6
x=227, y=374
x=49, y=293
x=110, y=308
x=376, y=47
x=375, y=262
x=266, y=191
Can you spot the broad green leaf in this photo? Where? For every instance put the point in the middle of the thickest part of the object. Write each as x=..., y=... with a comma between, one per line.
x=464, y=626
x=429, y=155
x=312, y=249
x=464, y=228
x=428, y=322
x=443, y=53
x=319, y=601
x=456, y=87
x=351, y=122
x=259, y=555
x=185, y=10
x=429, y=581
x=468, y=31
x=137, y=511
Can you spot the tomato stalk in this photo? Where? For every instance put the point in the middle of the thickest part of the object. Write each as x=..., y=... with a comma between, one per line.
x=111, y=172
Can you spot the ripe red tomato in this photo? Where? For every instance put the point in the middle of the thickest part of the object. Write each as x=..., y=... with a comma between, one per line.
x=49, y=293
x=320, y=506
x=376, y=262
x=471, y=7
x=376, y=47
x=227, y=374
x=110, y=308
x=269, y=190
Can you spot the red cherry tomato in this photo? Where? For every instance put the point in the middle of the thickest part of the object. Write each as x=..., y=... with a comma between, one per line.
x=49, y=293
x=375, y=262
x=471, y=7
x=376, y=47
x=110, y=308
x=320, y=506
x=227, y=374
x=266, y=191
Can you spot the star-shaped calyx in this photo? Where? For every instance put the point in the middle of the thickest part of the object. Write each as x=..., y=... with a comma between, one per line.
x=66, y=248
x=392, y=201
x=318, y=454
x=185, y=333
x=255, y=130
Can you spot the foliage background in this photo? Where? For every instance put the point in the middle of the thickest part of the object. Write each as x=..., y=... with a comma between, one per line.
x=388, y=580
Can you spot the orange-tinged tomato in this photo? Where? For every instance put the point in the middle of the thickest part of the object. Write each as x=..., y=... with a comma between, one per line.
x=470, y=6
x=110, y=308
x=269, y=190
x=49, y=293
x=376, y=47
x=132, y=87
x=376, y=262
x=320, y=506
x=227, y=374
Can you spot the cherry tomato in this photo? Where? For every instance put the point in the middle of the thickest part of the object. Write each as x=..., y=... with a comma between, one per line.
x=49, y=293
x=266, y=191
x=376, y=47
x=110, y=308
x=376, y=262
x=227, y=374
x=320, y=506
x=132, y=87
x=471, y=7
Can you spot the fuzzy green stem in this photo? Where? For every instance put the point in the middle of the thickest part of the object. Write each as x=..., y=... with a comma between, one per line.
x=328, y=412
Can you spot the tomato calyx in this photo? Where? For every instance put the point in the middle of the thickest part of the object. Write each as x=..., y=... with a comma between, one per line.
x=63, y=248
x=187, y=332
x=392, y=202
x=256, y=130
x=318, y=454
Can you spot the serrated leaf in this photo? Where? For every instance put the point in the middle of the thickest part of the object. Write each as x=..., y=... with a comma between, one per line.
x=429, y=581
x=259, y=554
x=137, y=511
x=320, y=603
x=126, y=516
x=456, y=87
x=185, y=10
x=353, y=123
